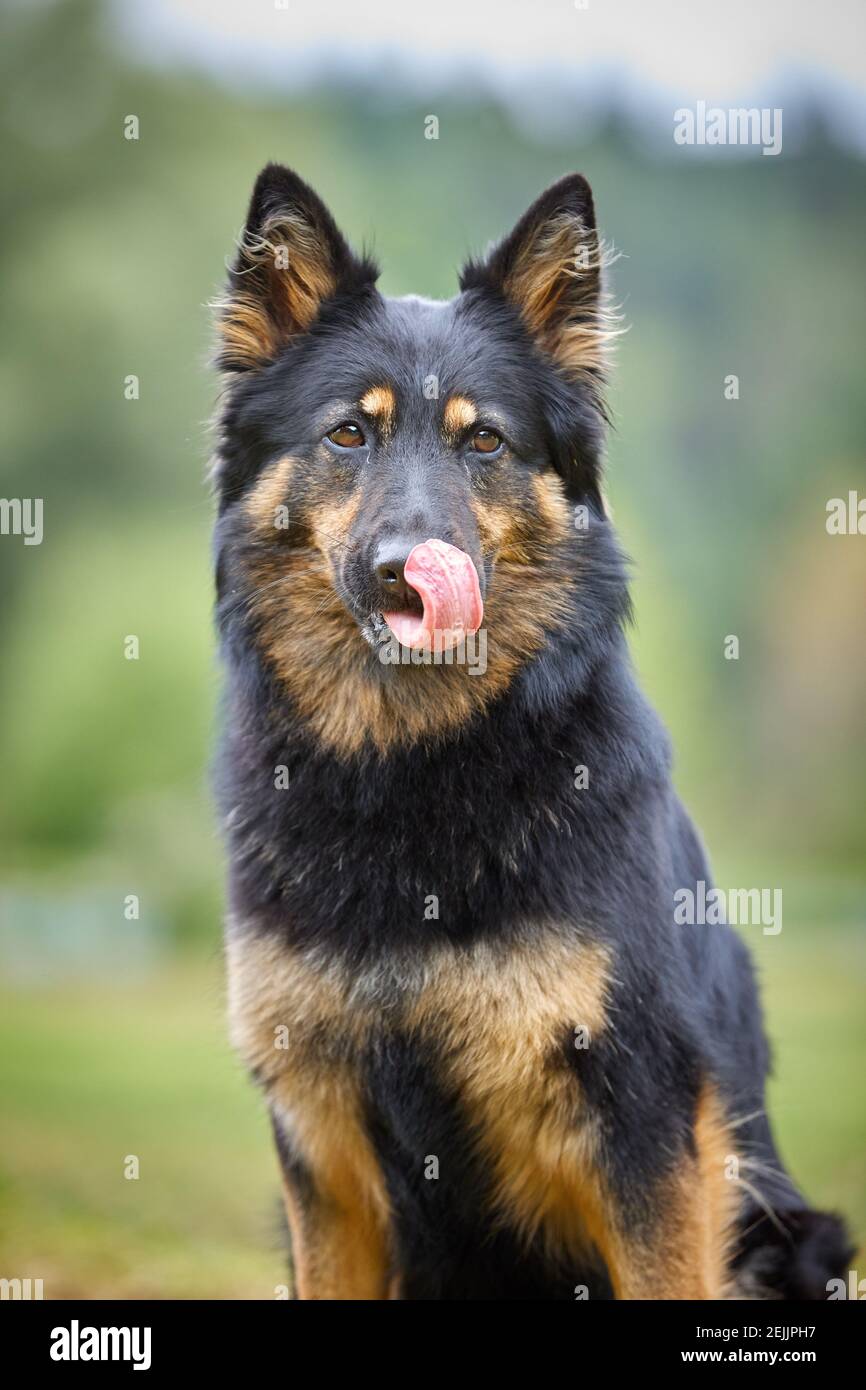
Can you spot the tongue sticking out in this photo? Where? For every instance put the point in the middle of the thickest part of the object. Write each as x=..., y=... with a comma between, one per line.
x=447, y=582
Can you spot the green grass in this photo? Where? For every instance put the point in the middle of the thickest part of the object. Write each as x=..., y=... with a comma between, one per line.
x=91, y=1074
x=813, y=980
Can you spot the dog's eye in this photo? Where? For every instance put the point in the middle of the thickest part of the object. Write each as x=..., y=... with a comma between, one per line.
x=486, y=441
x=346, y=436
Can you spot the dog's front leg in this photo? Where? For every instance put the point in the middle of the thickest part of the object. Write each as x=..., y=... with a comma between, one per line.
x=673, y=1262
x=337, y=1217
x=683, y=1249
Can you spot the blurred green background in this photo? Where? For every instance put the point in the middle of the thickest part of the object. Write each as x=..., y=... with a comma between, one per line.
x=112, y=1040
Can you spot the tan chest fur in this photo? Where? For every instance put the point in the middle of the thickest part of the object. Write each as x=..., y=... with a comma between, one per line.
x=498, y=1019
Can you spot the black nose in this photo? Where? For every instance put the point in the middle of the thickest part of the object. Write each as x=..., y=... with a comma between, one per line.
x=388, y=576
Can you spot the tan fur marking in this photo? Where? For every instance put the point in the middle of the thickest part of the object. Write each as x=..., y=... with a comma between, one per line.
x=495, y=525
x=503, y=1018
x=330, y=527
x=715, y=1197
x=294, y=1024
x=552, y=504
x=381, y=404
x=459, y=415
x=513, y=537
x=337, y=683
x=301, y=1270
x=689, y=1254
x=341, y=1240
x=289, y=275
x=268, y=494
x=271, y=987
x=249, y=336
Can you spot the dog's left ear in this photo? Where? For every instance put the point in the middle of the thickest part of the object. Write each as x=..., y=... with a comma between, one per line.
x=550, y=268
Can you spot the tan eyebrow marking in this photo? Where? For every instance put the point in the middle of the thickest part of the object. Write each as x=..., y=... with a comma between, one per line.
x=460, y=414
x=381, y=404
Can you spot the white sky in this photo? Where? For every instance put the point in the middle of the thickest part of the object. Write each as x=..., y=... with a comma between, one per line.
x=705, y=47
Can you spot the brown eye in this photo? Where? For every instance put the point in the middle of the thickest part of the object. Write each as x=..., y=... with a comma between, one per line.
x=346, y=436
x=486, y=441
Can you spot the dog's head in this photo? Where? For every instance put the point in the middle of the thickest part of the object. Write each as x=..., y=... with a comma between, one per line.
x=404, y=483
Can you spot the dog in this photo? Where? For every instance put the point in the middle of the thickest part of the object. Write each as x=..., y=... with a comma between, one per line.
x=495, y=1066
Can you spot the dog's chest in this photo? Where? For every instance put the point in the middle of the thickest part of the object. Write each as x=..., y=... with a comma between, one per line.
x=493, y=1023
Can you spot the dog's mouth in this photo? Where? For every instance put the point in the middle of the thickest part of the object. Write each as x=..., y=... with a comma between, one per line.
x=446, y=582
x=444, y=604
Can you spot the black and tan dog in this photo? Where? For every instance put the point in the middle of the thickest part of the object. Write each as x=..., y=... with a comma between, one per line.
x=495, y=1065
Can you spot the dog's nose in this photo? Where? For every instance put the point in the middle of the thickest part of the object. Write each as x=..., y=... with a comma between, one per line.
x=388, y=565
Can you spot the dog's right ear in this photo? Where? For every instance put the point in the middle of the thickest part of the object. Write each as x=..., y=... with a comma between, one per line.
x=292, y=259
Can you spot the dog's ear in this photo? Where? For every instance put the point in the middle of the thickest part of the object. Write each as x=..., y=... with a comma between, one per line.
x=550, y=268
x=291, y=259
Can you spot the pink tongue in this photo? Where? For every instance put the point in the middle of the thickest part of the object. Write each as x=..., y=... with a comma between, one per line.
x=447, y=581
